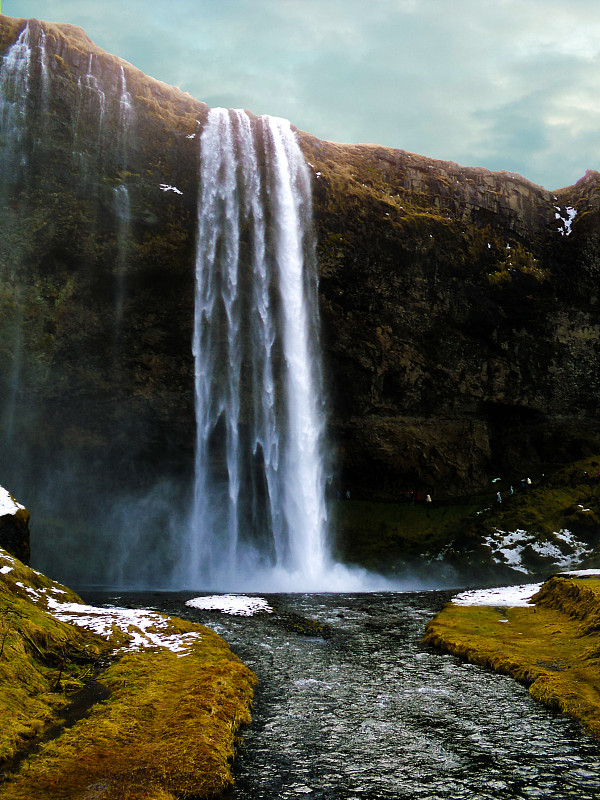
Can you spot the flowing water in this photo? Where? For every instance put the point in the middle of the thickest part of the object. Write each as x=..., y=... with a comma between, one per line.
x=362, y=711
x=259, y=485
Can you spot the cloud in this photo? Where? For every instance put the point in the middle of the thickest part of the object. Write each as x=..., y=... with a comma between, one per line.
x=500, y=84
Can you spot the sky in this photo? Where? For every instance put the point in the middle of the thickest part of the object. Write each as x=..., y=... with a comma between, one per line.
x=501, y=84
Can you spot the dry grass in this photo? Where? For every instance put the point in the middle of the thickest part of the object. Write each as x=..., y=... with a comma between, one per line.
x=168, y=729
x=549, y=647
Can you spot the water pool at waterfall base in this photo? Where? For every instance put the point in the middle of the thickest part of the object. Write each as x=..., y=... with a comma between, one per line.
x=351, y=706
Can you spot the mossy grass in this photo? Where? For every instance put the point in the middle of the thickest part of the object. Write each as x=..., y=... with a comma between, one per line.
x=380, y=535
x=552, y=647
x=42, y=659
x=374, y=534
x=168, y=730
x=168, y=727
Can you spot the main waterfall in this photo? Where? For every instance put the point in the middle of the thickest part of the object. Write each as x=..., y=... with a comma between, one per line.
x=258, y=515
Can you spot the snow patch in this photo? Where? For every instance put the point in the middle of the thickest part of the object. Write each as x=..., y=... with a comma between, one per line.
x=582, y=573
x=509, y=596
x=145, y=629
x=567, y=221
x=5, y=570
x=507, y=548
x=164, y=187
x=236, y=604
x=7, y=504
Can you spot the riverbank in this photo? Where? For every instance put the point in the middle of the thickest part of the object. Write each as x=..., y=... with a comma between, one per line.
x=548, y=525
x=111, y=703
x=551, y=645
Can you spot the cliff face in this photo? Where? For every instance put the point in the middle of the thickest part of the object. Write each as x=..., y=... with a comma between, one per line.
x=459, y=307
x=460, y=317
x=14, y=527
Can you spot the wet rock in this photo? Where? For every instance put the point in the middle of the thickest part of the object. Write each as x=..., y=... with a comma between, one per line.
x=14, y=527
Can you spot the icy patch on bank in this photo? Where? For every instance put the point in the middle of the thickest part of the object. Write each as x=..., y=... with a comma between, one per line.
x=581, y=573
x=7, y=504
x=145, y=629
x=509, y=596
x=237, y=605
x=508, y=548
x=5, y=570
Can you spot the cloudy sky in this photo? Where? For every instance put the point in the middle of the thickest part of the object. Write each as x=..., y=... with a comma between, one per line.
x=503, y=84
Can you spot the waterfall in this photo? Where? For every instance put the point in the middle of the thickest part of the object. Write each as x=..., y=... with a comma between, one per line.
x=14, y=94
x=122, y=209
x=126, y=116
x=91, y=100
x=259, y=506
x=15, y=85
x=122, y=203
x=44, y=72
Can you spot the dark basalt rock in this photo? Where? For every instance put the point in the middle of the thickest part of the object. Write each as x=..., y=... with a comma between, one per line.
x=14, y=534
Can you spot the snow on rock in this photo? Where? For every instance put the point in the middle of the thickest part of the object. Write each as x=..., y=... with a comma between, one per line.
x=164, y=187
x=567, y=221
x=145, y=629
x=510, y=596
x=236, y=604
x=508, y=546
x=7, y=504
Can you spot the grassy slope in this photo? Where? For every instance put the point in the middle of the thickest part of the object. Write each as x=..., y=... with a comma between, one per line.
x=167, y=730
x=554, y=647
x=384, y=536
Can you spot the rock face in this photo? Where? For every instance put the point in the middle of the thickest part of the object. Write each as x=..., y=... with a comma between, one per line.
x=461, y=319
x=459, y=307
x=14, y=527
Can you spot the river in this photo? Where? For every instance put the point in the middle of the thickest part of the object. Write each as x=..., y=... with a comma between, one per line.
x=351, y=706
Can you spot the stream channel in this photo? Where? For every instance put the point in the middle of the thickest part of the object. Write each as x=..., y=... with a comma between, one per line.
x=354, y=707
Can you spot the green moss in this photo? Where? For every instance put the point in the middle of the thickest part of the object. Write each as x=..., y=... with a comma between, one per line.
x=168, y=728
x=375, y=535
x=35, y=649
x=386, y=536
x=551, y=647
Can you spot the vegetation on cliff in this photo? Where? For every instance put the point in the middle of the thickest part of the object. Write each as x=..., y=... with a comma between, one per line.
x=552, y=523
x=150, y=709
x=552, y=647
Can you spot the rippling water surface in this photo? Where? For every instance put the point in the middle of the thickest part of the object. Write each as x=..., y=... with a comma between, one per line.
x=366, y=712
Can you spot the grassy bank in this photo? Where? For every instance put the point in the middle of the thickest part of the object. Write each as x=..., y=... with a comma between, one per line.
x=151, y=709
x=552, y=524
x=552, y=647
